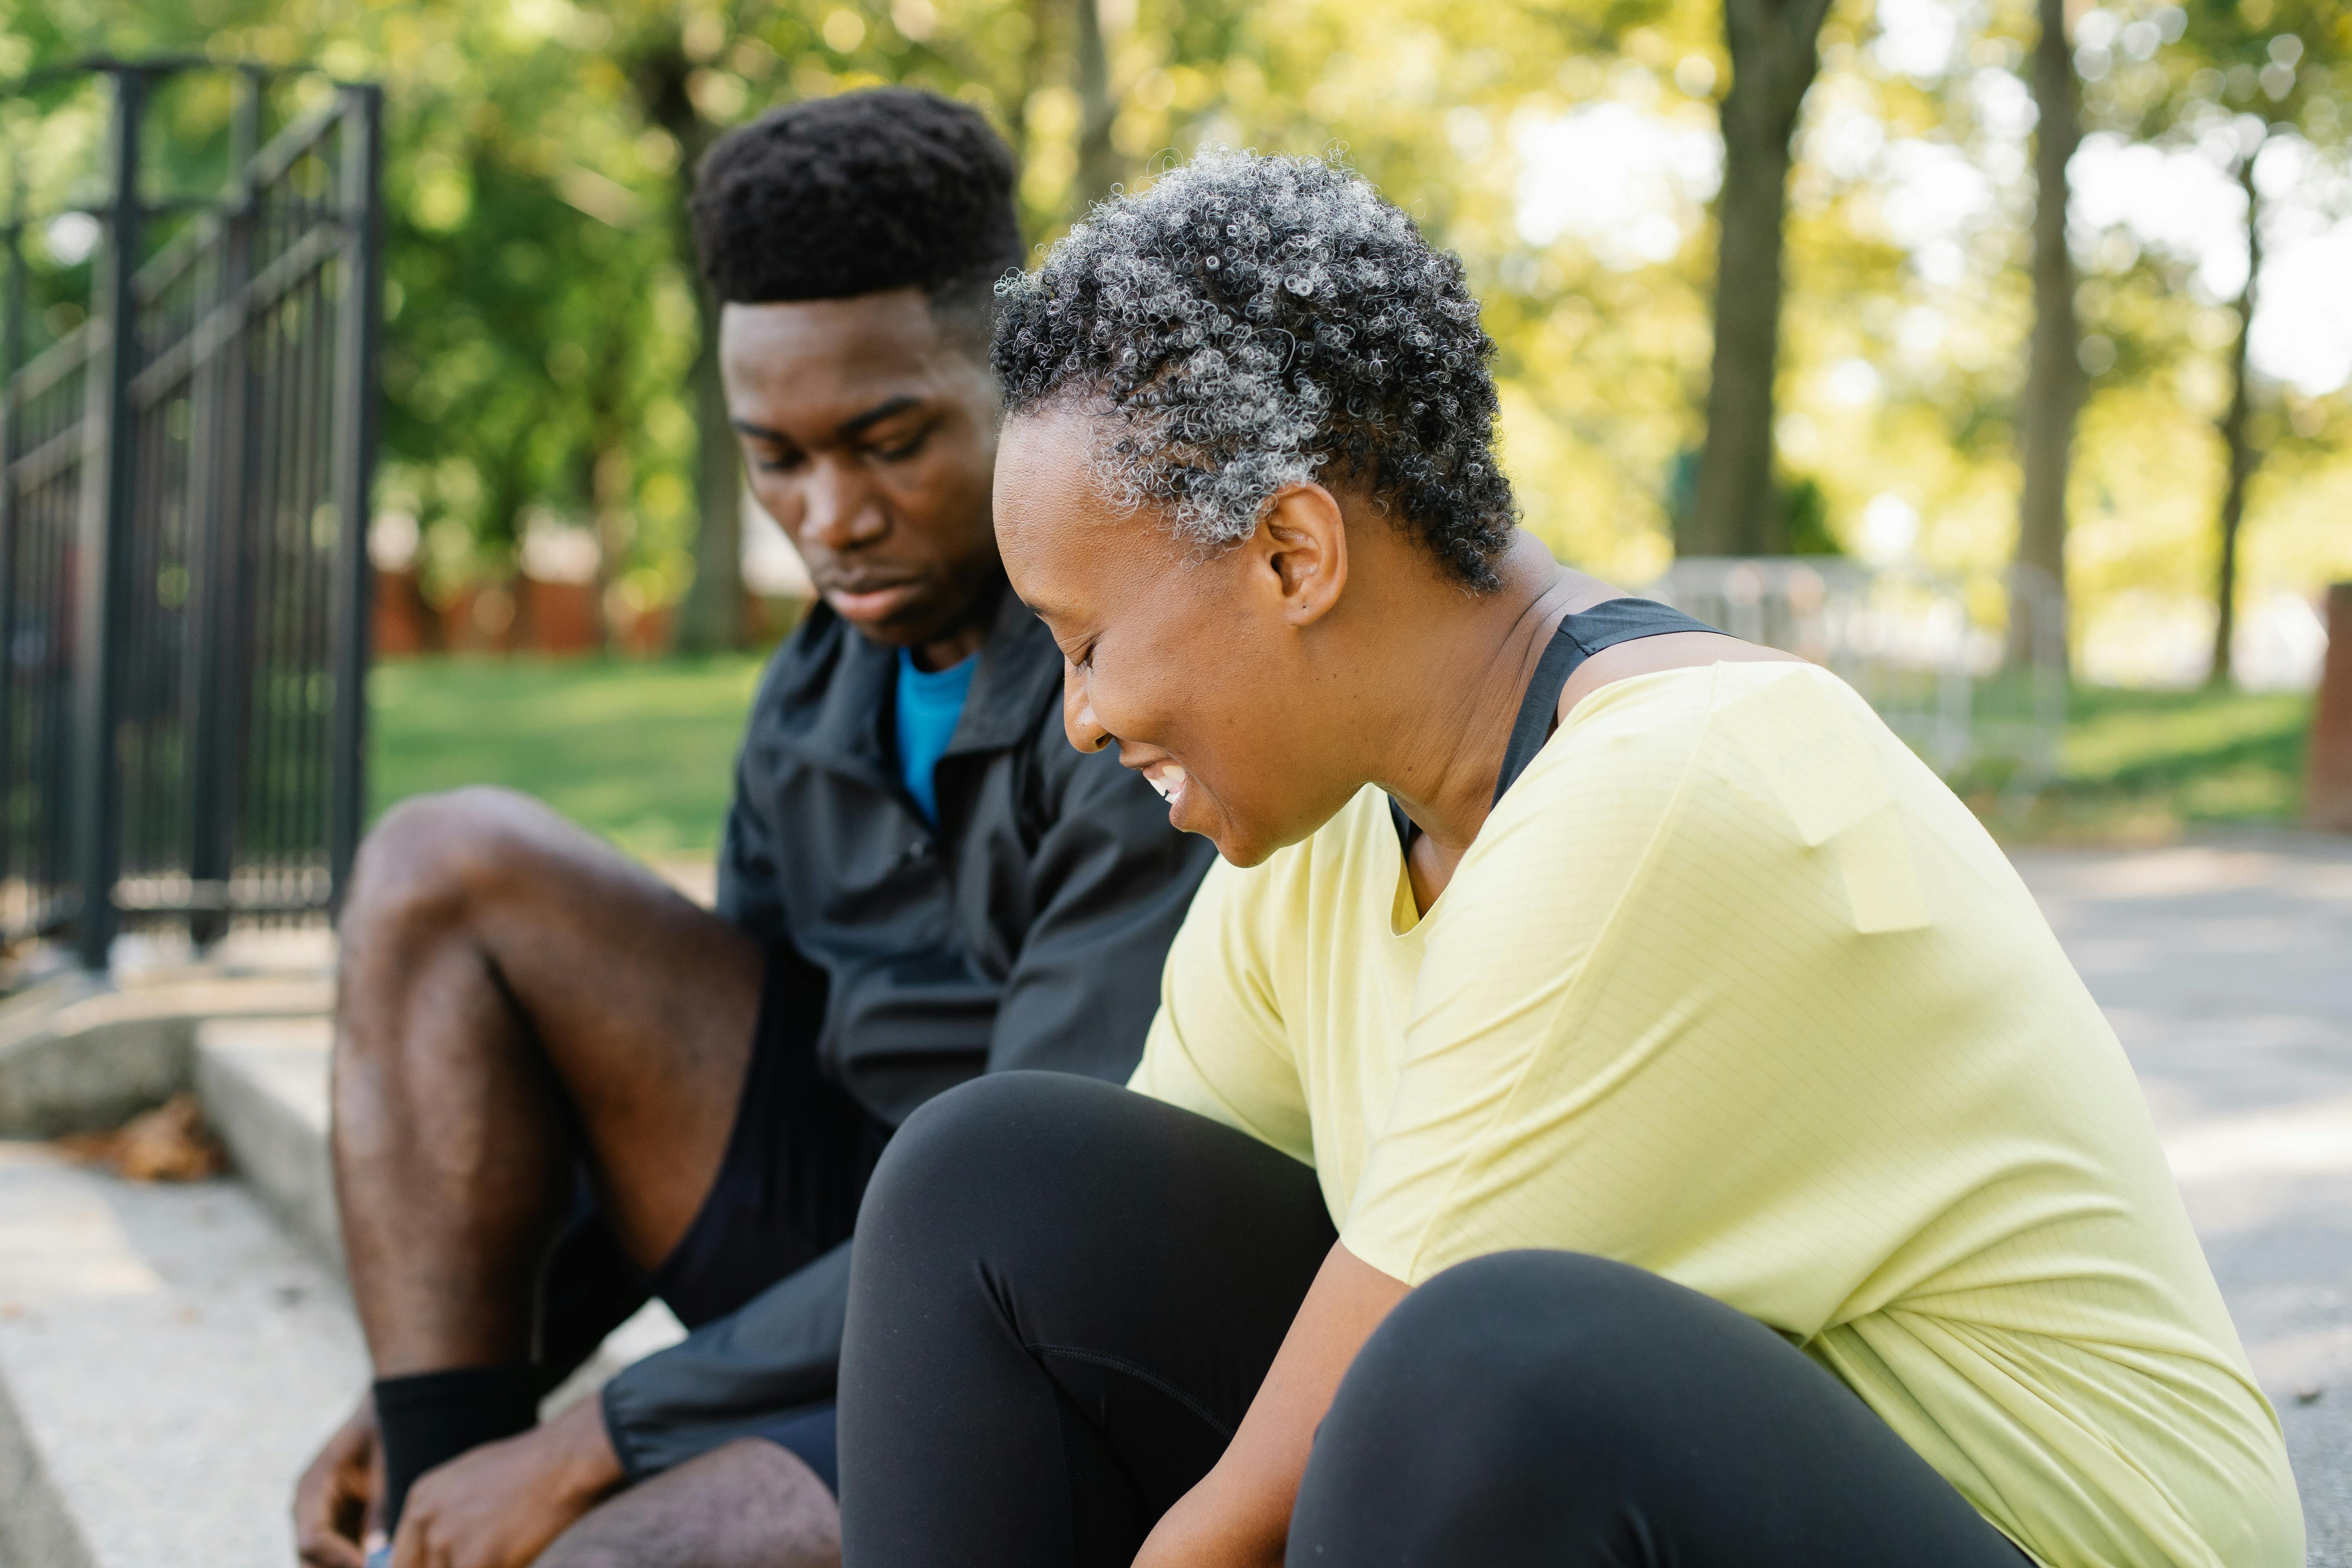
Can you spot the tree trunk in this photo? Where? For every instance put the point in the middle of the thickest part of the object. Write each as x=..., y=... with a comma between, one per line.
x=2053, y=372
x=712, y=616
x=2237, y=436
x=1774, y=56
x=1099, y=166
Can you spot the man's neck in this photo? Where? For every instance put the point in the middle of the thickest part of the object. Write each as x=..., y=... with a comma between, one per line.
x=953, y=647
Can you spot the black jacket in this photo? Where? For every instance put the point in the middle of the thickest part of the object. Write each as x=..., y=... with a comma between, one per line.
x=1027, y=931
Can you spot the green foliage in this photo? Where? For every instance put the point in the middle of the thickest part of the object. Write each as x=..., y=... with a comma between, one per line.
x=1805, y=517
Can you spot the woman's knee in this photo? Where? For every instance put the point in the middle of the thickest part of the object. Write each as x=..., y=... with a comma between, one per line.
x=1514, y=1344
x=1004, y=1145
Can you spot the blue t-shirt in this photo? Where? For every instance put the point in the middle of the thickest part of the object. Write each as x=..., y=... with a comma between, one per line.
x=929, y=702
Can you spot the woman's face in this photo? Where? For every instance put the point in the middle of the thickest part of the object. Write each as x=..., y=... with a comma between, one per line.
x=1193, y=664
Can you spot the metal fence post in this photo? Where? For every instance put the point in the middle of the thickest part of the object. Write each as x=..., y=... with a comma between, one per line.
x=102, y=572
x=216, y=489
x=353, y=596
x=11, y=356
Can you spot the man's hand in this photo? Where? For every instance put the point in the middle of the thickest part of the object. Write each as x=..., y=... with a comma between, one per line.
x=339, y=1499
x=499, y=1506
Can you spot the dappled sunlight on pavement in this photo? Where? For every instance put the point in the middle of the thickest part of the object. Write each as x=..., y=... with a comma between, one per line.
x=2226, y=968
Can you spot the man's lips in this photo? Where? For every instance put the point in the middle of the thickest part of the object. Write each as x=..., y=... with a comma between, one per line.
x=865, y=600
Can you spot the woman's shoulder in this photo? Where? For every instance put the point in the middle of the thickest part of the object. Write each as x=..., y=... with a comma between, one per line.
x=1737, y=716
x=1763, y=753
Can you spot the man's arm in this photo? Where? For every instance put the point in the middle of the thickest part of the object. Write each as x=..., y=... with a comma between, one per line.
x=781, y=1349
x=1238, y=1516
x=1110, y=883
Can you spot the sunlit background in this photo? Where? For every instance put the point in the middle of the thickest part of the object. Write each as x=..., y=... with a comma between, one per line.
x=543, y=322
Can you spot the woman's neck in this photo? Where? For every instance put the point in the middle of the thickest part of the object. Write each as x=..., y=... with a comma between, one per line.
x=1454, y=693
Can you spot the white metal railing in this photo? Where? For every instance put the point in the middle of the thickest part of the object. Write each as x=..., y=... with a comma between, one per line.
x=1965, y=695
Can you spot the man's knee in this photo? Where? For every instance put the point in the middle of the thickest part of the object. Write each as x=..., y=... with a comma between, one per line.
x=436, y=859
x=748, y=1502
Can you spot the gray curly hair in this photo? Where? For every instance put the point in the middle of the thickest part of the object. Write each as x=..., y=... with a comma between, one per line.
x=1254, y=321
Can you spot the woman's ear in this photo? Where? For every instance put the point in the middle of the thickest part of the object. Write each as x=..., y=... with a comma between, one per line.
x=1303, y=541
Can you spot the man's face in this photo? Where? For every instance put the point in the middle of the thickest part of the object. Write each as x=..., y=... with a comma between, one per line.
x=870, y=435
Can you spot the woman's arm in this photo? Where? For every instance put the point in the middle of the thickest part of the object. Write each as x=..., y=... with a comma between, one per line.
x=1239, y=1515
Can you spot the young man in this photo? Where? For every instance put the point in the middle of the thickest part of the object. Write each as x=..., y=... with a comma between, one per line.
x=560, y=1088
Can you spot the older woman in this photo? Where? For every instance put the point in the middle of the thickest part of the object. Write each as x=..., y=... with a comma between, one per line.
x=1613, y=1105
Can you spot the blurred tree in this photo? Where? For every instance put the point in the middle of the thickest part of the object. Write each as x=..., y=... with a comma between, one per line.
x=2251, y=85
x=2053, y=374
x=1775, y=55
x=543, y=320
x=656, y=59
x=1099, y=163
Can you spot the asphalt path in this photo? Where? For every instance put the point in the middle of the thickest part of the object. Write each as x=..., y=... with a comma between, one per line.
x=2226, y=967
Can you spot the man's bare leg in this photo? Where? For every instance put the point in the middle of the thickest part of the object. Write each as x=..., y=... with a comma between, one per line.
x=507, y=979
x=750, y=1504
x=514, y=992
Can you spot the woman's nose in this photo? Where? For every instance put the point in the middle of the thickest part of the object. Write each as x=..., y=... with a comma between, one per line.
x=1078, y=720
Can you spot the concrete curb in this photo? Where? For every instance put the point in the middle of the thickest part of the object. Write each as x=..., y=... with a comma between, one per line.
x=37, y=1526
x=78, y=1054
x=263, y=1085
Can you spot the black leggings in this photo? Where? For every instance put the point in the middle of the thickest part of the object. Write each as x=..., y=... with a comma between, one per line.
x=1066, y=1295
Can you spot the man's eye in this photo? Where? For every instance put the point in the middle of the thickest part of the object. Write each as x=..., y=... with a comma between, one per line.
x=777, y=462
x=899, y=451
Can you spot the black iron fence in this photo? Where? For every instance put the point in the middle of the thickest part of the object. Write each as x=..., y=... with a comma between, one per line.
x=183, y=575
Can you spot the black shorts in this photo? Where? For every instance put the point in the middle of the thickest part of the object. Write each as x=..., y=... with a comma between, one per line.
x=787, y=1192
x=796, y=1167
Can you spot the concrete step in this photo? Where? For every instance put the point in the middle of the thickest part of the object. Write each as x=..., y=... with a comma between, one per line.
x=79, y=1053
x=169, y=1361
x=263, y=1085
x=172, y=1356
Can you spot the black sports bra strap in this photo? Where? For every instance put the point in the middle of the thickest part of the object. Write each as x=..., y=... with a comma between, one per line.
x=1580, y=637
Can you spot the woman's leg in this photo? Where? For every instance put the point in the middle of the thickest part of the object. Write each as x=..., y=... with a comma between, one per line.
x=1548, y=1408
x=1063, y=1297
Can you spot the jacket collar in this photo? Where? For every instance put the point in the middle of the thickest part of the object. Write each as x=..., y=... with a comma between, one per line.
x=1019, y=672
x=849, y=694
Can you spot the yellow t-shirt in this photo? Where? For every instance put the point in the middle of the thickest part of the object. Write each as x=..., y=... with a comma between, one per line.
x=1732, y=988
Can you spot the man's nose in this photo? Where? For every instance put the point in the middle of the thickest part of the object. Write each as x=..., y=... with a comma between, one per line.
x=839, y=508
x=1078, y=720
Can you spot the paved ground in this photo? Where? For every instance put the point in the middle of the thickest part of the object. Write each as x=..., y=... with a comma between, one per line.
x=2226, y=967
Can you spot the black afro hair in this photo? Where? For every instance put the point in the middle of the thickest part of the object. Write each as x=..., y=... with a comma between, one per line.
x=890, y=188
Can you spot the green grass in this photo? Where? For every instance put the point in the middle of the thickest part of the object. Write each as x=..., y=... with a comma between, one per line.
x=2141, y=766
x=643, y=753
